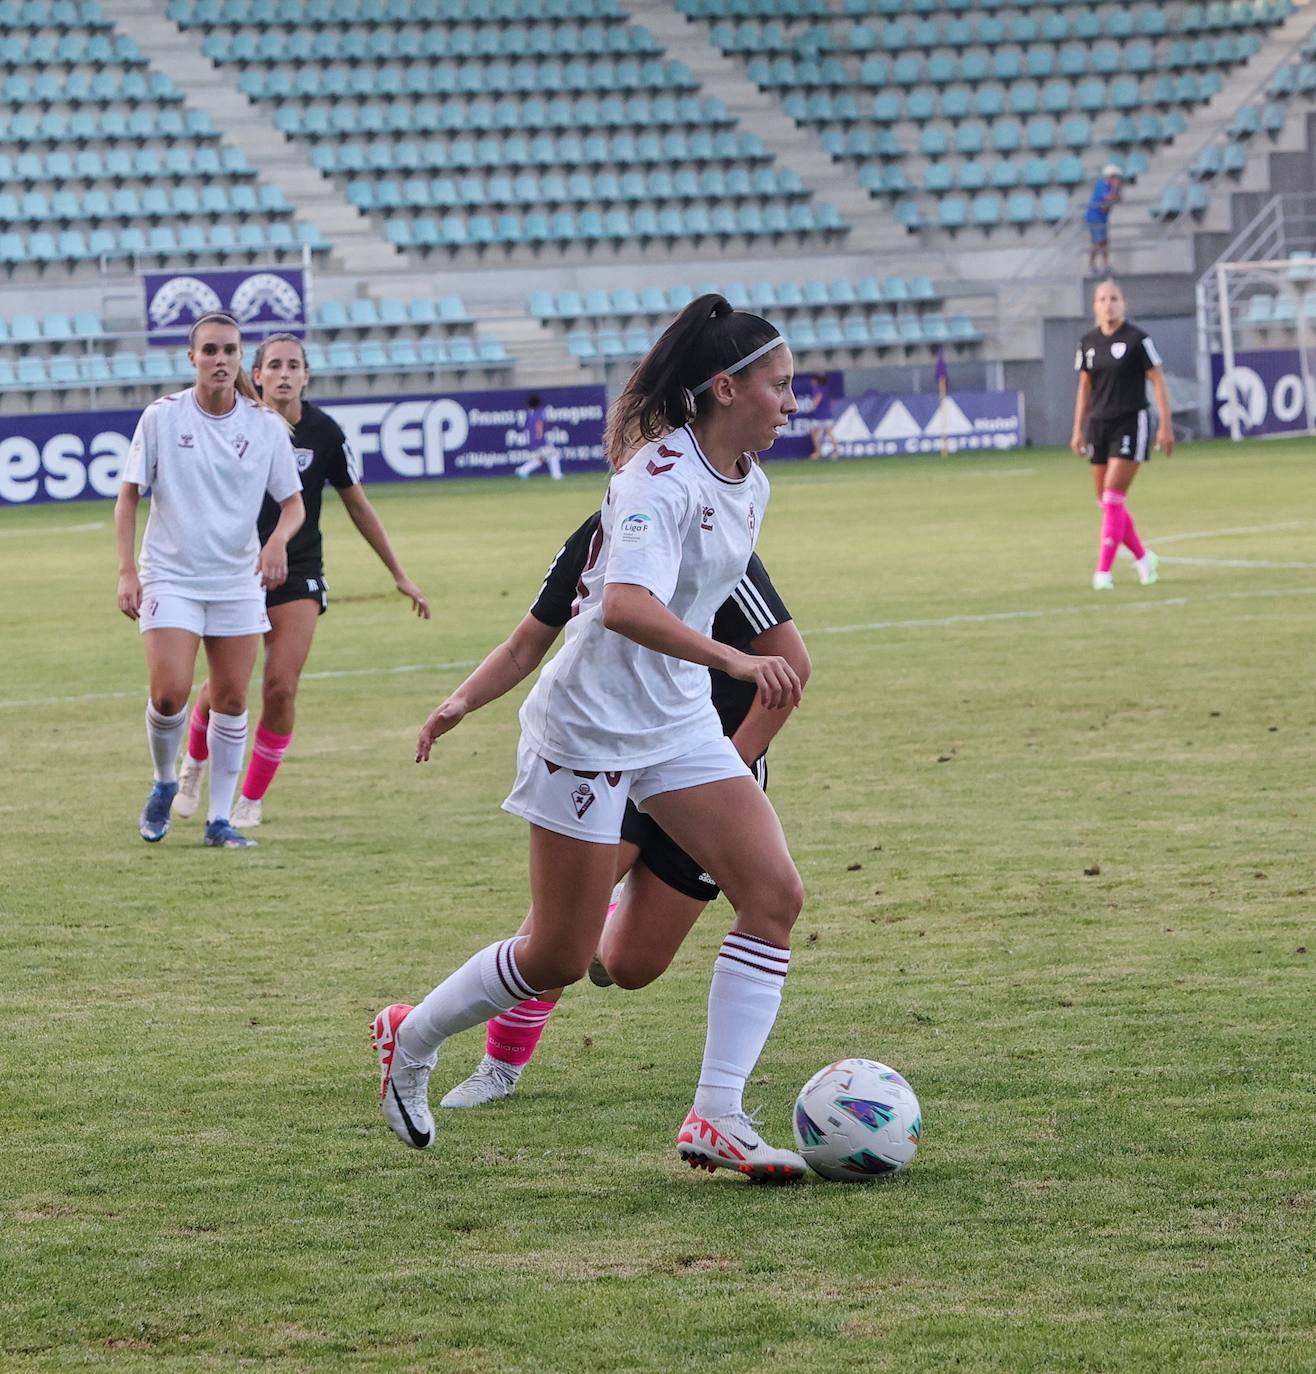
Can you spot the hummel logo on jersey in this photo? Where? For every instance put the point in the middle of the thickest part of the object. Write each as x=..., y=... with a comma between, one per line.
x=752, y=517
x=665, y=452
x=657, y=469
x=582, y=799
x=706, y=517
x=185, y=441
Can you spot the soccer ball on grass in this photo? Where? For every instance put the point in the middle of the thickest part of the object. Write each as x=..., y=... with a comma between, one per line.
x=856, y=1121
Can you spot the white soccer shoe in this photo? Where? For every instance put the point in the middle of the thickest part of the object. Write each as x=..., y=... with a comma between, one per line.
x=491, y=1082
x=1102, y=582
x=1148, y=568
x=403, y=1088
x=733, y=1142
x=188, y=798
x=246, y=813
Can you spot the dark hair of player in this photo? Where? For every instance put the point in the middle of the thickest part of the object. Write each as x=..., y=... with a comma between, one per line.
x=278, y=338
x=534, y=402
x=707, y=337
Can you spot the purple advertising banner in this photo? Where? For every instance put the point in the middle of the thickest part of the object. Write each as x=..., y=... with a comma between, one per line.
x=1265, y=389
x=79, y=456
x=879, y=424
x=261, y=299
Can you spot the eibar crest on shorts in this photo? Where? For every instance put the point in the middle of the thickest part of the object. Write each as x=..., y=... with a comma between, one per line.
x=582, y=799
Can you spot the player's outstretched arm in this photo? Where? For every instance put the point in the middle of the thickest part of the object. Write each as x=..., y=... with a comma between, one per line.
x=366, y=519
x=633, y=611
x=1165, y=425
x=509, y=664
x=760, y=726
x=125, y=540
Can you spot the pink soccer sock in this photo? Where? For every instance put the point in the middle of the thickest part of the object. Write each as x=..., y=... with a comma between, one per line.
x=1112, y=528
x=197, y=748
x=513, y=1034
x=266, y=756
x=1131, y=541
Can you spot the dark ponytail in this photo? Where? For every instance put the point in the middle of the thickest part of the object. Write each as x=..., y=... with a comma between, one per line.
x=706, y=338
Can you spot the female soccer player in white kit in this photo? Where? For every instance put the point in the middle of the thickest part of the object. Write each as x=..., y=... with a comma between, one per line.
x=208, y=456
x=624, y=710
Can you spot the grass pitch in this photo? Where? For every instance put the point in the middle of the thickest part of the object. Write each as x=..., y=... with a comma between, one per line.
x=1058, y=852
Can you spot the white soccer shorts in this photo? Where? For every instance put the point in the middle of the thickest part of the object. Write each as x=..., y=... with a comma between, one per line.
x=163, y=610
x=587, y=805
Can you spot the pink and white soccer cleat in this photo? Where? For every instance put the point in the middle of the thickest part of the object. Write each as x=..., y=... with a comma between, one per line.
x=403, y=1087
x=733, y=1142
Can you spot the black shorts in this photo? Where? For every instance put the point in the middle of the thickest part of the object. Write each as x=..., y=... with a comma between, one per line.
x=1123, y=437
x=300, y=587
x=665, y=859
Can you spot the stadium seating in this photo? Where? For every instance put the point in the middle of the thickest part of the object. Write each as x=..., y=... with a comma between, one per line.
x=100, y=155
x=523, y=126
x=839, y=316
x=931, y=89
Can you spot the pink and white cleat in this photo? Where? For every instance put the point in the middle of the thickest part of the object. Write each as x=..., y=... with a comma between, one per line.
x=733, y=1142
x=403, y=1087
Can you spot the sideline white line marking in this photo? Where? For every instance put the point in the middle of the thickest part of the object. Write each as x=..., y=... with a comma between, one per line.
x=931, y=623
x=940, y=622
x=329, y=673
x=1232, y=563
x=58, y=529
x=1239, y=529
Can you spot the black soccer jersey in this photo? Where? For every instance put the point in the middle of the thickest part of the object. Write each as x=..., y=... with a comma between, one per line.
x=752, y=608
x=1118, y=364
x=323, y=455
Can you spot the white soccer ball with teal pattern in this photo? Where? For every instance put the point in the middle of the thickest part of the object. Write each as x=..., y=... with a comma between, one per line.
x=856, y=1121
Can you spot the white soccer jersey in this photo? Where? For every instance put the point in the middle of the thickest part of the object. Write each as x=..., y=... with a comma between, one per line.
x=207, y=475
x=673, y=524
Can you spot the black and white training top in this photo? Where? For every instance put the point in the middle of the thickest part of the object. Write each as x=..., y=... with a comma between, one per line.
x=1118, y=364
x=323, y=455
x=752, y=608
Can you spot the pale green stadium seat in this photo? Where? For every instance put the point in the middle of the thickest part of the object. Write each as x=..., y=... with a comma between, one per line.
x=1021, y=208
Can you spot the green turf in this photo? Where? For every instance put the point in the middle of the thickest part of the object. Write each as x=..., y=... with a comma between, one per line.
x=1059, y=871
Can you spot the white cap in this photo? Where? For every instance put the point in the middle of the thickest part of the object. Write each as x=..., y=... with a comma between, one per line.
x=1112, y=169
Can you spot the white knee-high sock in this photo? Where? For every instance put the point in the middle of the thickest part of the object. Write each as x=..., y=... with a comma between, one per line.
x=487, y=983
x=743, y=1000
x=165, y=736
x=226, y=737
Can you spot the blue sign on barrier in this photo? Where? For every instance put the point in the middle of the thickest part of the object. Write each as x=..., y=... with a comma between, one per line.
x=1265, y=390
x=80, y=456
x=261, y=299
x=879, y=424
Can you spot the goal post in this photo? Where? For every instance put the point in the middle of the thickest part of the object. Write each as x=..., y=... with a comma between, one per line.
x=1264, y=311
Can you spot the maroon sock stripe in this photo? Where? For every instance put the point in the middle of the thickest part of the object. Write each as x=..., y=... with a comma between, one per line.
x=757, y=939
x=510, y=975
x=758, y=968
x=769, y=955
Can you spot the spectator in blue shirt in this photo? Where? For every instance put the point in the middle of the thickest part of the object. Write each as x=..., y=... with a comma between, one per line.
x=1105, y=194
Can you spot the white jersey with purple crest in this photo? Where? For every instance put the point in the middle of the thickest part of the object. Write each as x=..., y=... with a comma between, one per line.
x=207, y=475
x=673, y=524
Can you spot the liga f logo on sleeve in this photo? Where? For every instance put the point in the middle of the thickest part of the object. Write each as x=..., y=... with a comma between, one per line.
x=635, y=528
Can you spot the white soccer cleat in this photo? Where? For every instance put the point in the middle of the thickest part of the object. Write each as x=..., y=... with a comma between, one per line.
x=403, y=1087
x=733, y=1142
x=1102, y=582
x=246, y=814
x=1148, y=568
x=188, y=798
x=491, y=1082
